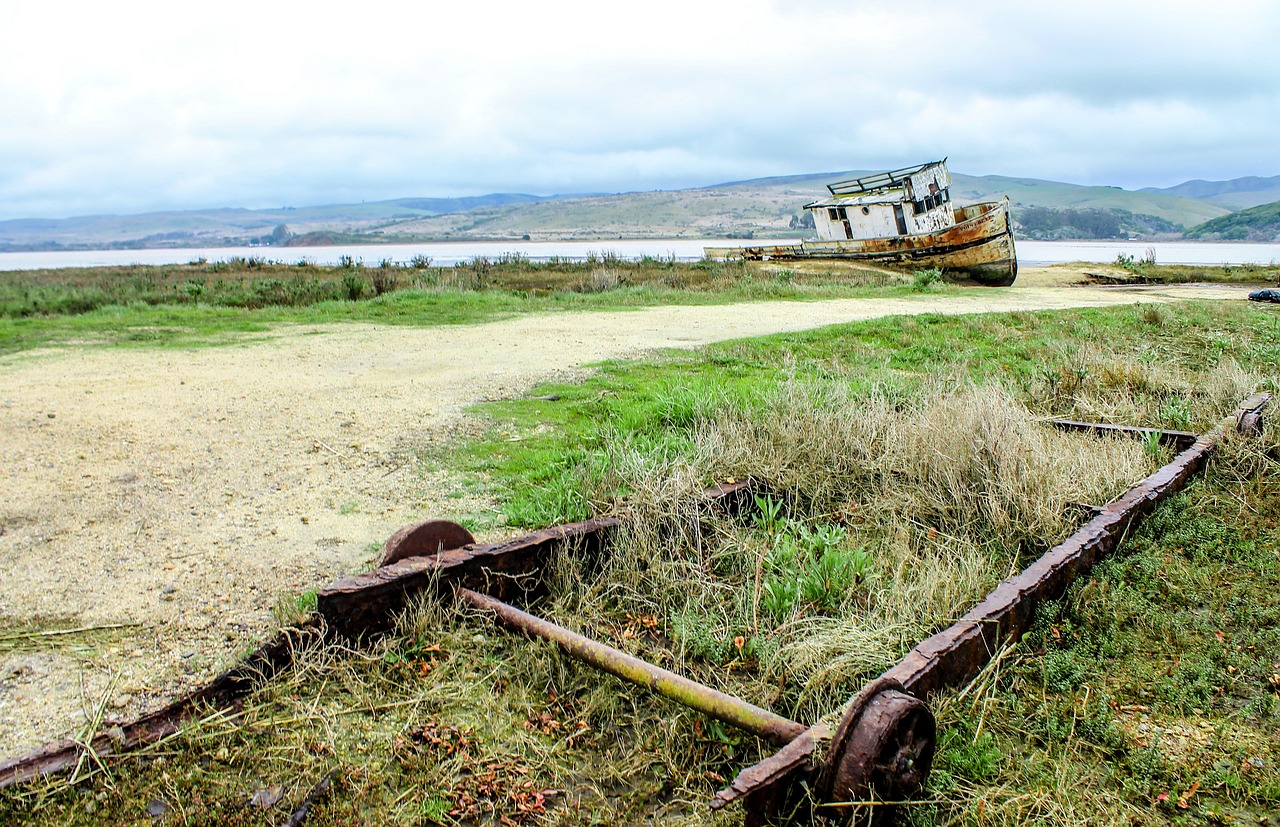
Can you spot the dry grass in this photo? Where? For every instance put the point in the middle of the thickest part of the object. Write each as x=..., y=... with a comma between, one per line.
x=940, y=499
x=1091, y=383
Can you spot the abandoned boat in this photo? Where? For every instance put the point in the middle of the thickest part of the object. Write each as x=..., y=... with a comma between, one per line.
x=903, y=217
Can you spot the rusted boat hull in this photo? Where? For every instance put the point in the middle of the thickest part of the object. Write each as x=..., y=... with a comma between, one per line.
x=978, y=248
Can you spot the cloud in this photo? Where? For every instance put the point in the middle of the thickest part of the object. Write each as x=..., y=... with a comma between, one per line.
x=146, y=105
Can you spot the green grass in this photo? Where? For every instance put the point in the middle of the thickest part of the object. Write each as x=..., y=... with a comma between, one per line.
x=190, y=305
x=545, y=460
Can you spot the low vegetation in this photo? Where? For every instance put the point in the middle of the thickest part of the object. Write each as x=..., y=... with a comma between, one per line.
x=1147, y=269
x=910, y=473
x=199, y=301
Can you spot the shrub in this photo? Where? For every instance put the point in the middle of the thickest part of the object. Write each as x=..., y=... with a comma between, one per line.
x=353, y=284
x=925, y=279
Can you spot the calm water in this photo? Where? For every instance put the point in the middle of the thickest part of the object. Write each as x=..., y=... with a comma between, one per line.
x=452, y=252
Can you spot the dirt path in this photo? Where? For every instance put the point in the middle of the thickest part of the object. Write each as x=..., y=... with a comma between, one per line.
x=184, y=491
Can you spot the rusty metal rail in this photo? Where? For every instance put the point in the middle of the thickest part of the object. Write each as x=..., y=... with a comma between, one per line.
x=353, y=608
x=223, y=693
x=367, y=605
x=885, y=742
x=1178, y=440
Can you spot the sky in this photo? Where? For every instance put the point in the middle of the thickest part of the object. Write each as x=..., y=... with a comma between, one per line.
x=134, y=105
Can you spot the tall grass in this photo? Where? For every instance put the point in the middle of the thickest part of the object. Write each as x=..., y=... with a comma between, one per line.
x=939, y=496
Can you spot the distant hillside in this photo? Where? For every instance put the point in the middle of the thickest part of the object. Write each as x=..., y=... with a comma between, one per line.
x=1236, y=194
x=228, y=226
x=773, y=207
x=1261, y=223
x=756, y=208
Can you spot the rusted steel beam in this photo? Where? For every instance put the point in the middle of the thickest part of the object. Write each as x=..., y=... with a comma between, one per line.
x=366, y=605
x=712, y=702
x=224, y=692
x=795, y=757
x=1177, y=440
x=953, y=656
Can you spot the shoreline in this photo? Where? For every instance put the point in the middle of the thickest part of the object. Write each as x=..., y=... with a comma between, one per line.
x=447, y=253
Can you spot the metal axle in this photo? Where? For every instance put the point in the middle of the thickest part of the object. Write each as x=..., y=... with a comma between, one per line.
x=712, y=702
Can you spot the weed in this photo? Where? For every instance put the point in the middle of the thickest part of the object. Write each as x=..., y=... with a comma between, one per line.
x=780, y=598
x=1153, y=442
x=1144, y=266
x=294, y=610
x=828, y=581
x=769, y=515
x=925, y=279
x=354, y=285
x=384, y=279
x=1152, y=314
x=599, y=280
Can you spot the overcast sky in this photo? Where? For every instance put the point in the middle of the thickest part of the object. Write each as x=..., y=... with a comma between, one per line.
x=135, y=105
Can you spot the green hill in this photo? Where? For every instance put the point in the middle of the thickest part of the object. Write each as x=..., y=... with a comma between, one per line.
x=1236, y=194
x=228, y=226
x=769, y=206
x=1261, y=223
x=756, y=208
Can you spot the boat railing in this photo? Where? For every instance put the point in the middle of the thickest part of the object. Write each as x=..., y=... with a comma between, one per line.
x=878, y=181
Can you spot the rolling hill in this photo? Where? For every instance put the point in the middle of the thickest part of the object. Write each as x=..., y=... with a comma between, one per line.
x=1236, y=194
x=1260, y=223
x=756, y=208
x=230, y=226
x=767, y=206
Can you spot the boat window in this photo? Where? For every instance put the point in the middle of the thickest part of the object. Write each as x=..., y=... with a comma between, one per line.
x=900, y=219
x=866, y=211
x=833, y=214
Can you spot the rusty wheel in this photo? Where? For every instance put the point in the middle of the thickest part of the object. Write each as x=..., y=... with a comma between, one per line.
x=883, y=750
x=430, y=537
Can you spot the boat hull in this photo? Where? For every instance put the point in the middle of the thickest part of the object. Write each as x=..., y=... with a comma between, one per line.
x=978, y=248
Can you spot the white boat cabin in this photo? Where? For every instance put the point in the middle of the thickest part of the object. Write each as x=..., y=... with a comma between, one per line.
x=909, y=201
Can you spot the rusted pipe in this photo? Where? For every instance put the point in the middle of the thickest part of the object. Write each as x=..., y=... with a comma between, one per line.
x=711, y=702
